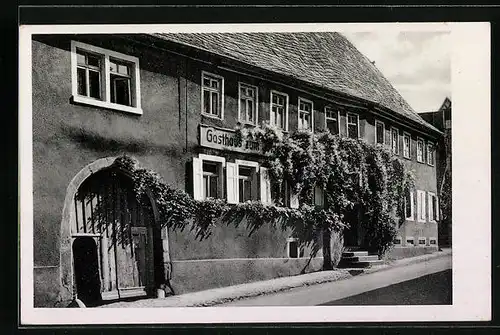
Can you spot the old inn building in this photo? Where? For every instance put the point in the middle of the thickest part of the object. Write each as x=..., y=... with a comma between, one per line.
x=172, y=101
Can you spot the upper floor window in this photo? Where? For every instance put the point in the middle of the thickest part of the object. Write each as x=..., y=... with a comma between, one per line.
x=247, y=103
x=279, y=110
x=212, y=95
x=305, y=114
x=332, y=120
x=420, y=150
x=406, y=145
x=395, y=141
x=430, y=154
x=105, y=78
x=352, y=125
x=379, y=132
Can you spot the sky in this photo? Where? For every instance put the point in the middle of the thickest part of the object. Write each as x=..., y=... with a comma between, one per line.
x=417, y=63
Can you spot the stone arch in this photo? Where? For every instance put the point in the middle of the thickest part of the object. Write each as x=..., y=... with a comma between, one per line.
x=67, y=289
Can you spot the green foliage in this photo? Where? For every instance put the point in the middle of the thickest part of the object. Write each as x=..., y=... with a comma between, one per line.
x=351, y=173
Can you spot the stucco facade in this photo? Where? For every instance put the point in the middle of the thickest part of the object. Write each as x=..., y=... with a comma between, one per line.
x=70, y=137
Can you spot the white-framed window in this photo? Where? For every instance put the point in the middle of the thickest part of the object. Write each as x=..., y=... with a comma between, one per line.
x=422, y=241
x=409, y=206
x=432, y=241
x=319, y=197
x=395, y=141
x=398, y=241
x=293, y=249
x=430, y=154
x=352, y=125
x=406, y=145
x=248, y=103
x=433, y=207
x=421, y=206
x=305, y=114
x=279, y=110
x=410, y=241
x=245, y=187
x=105, y=78
x=420, y=150
x=332, y=118
x=208, y=176
x=212, y=95
x=379, y=132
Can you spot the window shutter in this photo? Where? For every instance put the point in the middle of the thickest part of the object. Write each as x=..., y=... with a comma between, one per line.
x=294, y=199
x=197, y=178
x=429, y=201
x=437, y=207
x=419, y=206
x=265, y=186
x=232, y=182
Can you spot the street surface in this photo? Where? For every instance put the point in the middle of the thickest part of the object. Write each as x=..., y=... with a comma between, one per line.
x=427, y=282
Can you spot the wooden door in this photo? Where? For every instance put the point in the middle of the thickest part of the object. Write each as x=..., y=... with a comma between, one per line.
x=106, y=208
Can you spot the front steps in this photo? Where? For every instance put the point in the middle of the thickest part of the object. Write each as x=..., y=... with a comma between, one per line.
x=358, y=259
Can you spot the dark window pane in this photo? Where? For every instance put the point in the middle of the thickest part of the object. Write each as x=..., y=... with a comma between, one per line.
x=293, y=246
x=215, y=103
x=92, y=60
x=353, y=131
x=408, y=204
x=240, y=191
x=120, y=90
x=206, y=82
x=380, y=133
x=95, y=84
x=333, y=126
x=206, y=102
x=213, y=186
x=215, y=84
x=245, y=171
x=82, y=81
x=250, y=110
x=247, y=195
x=209, y=167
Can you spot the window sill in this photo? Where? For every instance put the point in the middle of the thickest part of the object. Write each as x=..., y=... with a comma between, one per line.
x=408, y=158
x=430, y=164
x=421, y=162
x=104, y=104
x=212, y=116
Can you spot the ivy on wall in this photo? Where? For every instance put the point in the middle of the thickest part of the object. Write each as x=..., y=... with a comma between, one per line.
x=352, y=174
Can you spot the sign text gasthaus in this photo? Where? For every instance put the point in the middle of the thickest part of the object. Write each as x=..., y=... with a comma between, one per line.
x=226, y=140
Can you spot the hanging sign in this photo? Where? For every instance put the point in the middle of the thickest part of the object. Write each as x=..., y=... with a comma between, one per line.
x=225, y=139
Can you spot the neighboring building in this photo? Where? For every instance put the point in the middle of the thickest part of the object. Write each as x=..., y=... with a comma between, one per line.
x=165, y=99
x=441, y=119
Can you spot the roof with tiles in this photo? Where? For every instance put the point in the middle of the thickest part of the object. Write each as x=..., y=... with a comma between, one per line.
x=325, y=59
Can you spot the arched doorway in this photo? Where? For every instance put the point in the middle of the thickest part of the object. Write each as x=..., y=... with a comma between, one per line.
x=124, y=237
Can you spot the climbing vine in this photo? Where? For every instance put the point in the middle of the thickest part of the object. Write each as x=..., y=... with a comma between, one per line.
x=353, y=176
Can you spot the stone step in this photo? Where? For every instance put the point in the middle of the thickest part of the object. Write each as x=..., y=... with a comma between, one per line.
x=360, y=258
x=354, y=253
x=362, y=264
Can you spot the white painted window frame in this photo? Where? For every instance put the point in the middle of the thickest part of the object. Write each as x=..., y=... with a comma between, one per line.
x=376, y=132
x=331, y=109
x=105, y=102
x=421, y=206
x=418, y=242
x=299, y=111
x=409, y=238
x=398, y=237
x=210, y=74
x=423, y=159
x=347, y=122
x=214, y=159
x=253, y=165
x=412, y=207
x=288, y=241
x=430, y=196
x=397, y=141
x=256, y=103
x=427, y=145
x=432, y=238
x=271, y=108
x=409, y=145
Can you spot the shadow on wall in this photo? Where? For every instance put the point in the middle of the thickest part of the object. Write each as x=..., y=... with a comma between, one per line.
x=96, y=142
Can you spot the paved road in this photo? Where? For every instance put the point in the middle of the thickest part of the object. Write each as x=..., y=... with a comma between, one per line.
x=334, y=291
x=433, y=289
